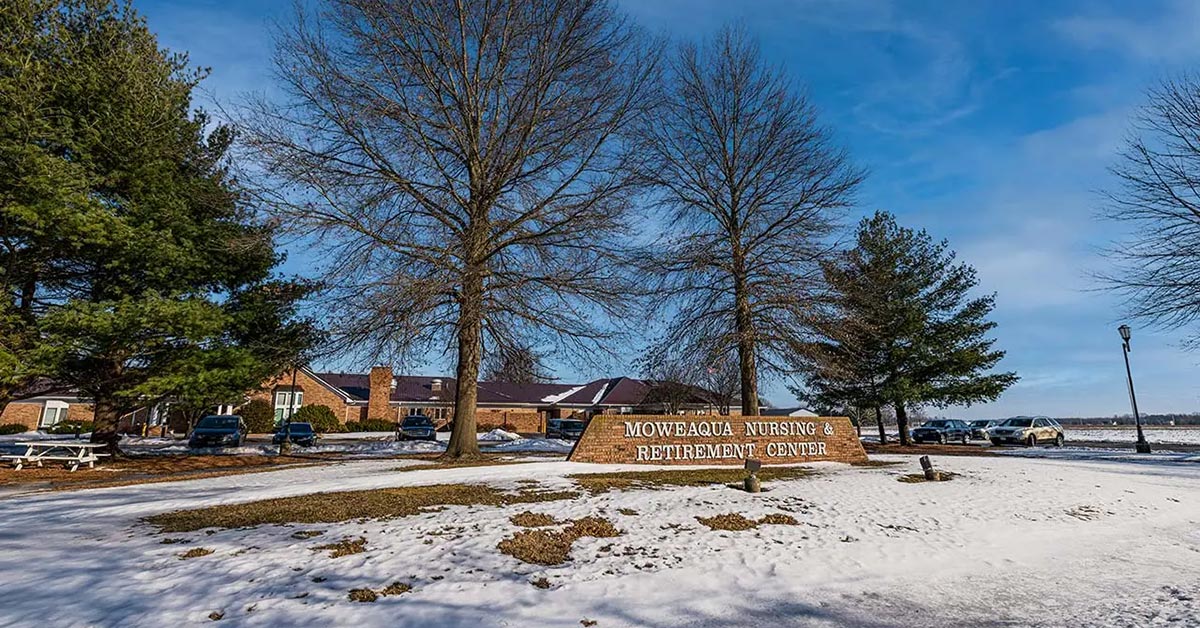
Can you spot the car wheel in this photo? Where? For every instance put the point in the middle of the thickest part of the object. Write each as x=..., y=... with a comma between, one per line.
x=1058, y=441
x=941, y=439
x=1031, y=441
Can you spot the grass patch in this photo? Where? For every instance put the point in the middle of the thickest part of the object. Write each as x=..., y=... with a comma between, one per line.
x=363, y=595
x=195, y=552
x=396, y=588
x=344, y=547
x=624, y=480
x=306, y=534
x=349, y=505
x=529, y=519
x=876, y=463
x=436, y=462
x=540, y=582
x=917, y=478
x=628, y=512
x=734, y=522
x=549, y=547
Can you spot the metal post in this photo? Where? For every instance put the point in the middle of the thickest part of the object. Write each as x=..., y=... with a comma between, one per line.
x=1143, y=447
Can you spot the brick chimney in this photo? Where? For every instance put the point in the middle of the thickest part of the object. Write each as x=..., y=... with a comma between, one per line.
x=382, y=383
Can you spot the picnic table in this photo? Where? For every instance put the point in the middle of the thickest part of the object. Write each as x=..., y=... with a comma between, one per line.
x=71, y=453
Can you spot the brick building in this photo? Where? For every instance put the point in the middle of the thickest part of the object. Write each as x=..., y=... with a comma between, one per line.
x=381, y=394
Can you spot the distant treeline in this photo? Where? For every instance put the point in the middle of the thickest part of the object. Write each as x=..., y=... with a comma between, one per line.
x=1147, y=419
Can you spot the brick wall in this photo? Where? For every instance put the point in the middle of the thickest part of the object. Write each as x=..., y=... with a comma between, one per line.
x=722, y=440
x=314, y=394
x=522, y=421
x=378, y=402
x=27, y=414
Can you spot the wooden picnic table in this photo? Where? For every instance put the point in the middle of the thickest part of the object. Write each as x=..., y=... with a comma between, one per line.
x=71, y=453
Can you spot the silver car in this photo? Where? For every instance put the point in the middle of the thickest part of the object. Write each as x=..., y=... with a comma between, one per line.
x=981, y=428
x=1030, y=431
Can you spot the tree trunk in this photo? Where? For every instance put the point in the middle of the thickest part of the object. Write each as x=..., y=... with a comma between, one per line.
x=745, y=335
x=879, y=420
x=902, y=422
x=104, y=423
x=463, y=441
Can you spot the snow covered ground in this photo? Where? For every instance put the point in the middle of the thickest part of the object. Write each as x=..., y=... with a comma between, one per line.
x=1180, y=435
x=1053, y=540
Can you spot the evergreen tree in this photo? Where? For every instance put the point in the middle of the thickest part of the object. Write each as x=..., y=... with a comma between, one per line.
x=903, y=329
x=132, y=270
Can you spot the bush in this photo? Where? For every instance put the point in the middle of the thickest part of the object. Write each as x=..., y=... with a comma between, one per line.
x=322, y=418
x=68, y=427
x=13, y=428
x=371, y=425
x=487, y=427
x=259, y=417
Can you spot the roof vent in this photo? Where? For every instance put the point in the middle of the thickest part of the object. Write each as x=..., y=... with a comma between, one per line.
x=435, y=385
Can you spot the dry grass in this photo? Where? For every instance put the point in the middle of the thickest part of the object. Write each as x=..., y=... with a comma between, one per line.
x=344, y=547
x=917, y=478
x=363, y=595
x=348, y=505
x=876, y=463
x=540, y=582
x=485, y=460
x=529, y=519
x=624, y=480
x=628, y=512
x=144, y=470
x=195, y=552
x=396, y=588
x=549, y=547
x=306, y=534
x=734, y=522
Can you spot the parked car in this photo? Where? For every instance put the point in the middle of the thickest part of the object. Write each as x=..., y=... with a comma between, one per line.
x=567, y=429
x=298, y=433
x=1028, y=431
x=942, y=431
x=218, y=430
x=416, y=427
x=981, y=428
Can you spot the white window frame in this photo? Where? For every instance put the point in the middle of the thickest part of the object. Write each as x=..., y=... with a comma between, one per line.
x=284, y=398
x=53, y=413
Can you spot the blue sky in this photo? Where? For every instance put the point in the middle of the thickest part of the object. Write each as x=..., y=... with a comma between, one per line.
x=989, y=124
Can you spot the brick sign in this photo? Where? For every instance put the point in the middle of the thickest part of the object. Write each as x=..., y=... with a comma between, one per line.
x=716, y=440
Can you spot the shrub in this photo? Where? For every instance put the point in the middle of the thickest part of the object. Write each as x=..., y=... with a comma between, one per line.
x=322, y=418
x=371, y=425
x=68, y=427
x=259, y=416
x=13, y=428
x=487, y=427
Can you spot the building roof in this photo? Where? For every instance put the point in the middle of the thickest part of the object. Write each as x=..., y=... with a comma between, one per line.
x=618, y=391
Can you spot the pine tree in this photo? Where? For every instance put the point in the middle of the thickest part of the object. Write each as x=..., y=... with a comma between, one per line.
x=903, y=329
x=132, y=269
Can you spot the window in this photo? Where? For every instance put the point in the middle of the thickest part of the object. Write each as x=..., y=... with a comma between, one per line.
x=287, y=402
x=53, y=413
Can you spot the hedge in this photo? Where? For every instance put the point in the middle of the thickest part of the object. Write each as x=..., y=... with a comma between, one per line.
x=68, y=427
x=322, y=418
x=371, y=425
x=259, y=417
x=13, y=428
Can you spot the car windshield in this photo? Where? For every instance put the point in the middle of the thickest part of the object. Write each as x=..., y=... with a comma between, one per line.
x=219, y=422
x=571, y=425
x=300, y=428
x=936, y=424
x=417, y=421
x=1019, y=422
x=980, y=423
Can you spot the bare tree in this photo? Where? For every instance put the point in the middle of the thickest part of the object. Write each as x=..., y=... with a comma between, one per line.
x=520, y=365
x=462, y=167
x=752, y=184
x=1158, y=266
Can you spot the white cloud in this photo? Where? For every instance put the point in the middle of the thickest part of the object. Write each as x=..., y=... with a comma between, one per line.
x=1172, y=34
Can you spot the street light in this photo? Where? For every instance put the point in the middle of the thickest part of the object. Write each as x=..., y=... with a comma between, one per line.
x=1142, y=446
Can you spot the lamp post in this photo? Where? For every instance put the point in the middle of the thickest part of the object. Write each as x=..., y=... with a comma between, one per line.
x=1142, y=446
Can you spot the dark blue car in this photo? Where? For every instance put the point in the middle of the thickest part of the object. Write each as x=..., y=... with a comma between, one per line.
x=298, y=433
x=942, y=431
x=218, y=430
